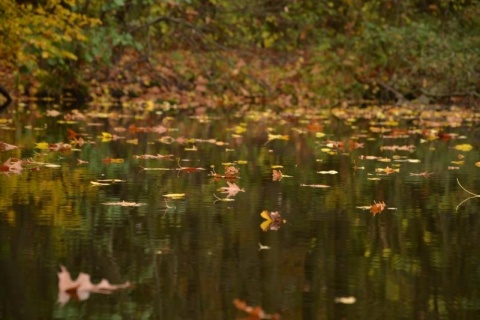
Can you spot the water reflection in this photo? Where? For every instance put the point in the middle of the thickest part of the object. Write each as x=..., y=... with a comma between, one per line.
x=180, y=217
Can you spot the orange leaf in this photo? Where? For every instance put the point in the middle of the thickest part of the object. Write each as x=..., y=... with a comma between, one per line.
x=377, y=207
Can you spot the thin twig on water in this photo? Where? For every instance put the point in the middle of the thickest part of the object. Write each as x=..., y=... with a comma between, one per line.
x=469, y=192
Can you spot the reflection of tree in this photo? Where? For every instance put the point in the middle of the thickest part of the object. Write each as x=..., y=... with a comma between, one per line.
x=191, y=262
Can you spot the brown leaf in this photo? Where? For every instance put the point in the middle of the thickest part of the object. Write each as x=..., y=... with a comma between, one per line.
x=277, y=175
x=81, y=288
x=377, y=207
x=231, y=171
x=255, y=313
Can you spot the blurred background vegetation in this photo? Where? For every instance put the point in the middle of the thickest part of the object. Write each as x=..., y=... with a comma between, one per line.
x=342, y=49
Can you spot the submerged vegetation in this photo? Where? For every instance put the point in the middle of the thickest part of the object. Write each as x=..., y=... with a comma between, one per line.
x=222, y=52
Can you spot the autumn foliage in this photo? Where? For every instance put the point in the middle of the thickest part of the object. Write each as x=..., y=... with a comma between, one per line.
x=227, y=53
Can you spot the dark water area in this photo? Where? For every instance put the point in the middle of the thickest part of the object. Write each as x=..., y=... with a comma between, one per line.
x=138, y=198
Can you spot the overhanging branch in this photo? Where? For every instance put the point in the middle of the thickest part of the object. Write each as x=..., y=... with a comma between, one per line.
x=7, y=96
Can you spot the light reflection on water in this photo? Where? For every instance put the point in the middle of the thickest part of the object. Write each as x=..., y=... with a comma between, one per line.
x=188, y=258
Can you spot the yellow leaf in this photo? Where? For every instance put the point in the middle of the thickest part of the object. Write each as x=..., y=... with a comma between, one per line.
x=106, y=137
x=265, y=215
x=41, y=145
x=95, y=183
x=464, y=147
x=265, y=225
x=174, y=195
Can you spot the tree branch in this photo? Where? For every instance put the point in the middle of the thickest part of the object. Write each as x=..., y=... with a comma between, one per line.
x=7, y=96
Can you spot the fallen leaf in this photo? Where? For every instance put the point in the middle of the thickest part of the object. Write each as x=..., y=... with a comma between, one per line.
x=231, y=171
x=424, y=174
x=153, y=156
x=262, y=247
x=277, y=175
x=95, y=183
x=273, y=220
x=113, y=160
x=375, y=208
x=231, y=190
x=272, y=137
x=6, y=147
x=81, y=288
x=11, y=166
x=387, y=170
x=41, y=145
x=315, y=185
x=255, y=313
x=345, y=300
x=464, y=147
x=174, y=195
x=328, y=172
x=123, y=204
x=226, y=199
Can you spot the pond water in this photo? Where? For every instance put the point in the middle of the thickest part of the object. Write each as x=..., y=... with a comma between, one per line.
x=375, y=221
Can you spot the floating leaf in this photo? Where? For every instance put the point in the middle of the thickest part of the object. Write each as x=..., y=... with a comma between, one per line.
x=464, y=147
x=328, y=172
x=277, y=175
x=193, y=148
x=113, y=160
x=41, y=145
x=110, y=180
x=153, y=156
x=254, y=313
x=277, y=137
x=262, y=247
x=106, y=136
x=424, y=174
x=6, y=147
x=315, y=185
x=123, y=204
x=231, y=190
x=375, y=208
x=273, y=220
x=227, y=199
x=174, y=195
x=96, y=183
x=82, y=287
x=345, y=300
x=11, y=166
x=387, y=170
x=157, y=169
x=52, y=165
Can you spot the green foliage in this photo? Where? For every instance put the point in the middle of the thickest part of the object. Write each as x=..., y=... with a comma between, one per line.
x=40, y=37
x=412, y=55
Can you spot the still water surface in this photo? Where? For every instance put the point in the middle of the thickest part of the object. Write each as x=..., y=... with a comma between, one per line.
x=105, y=208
